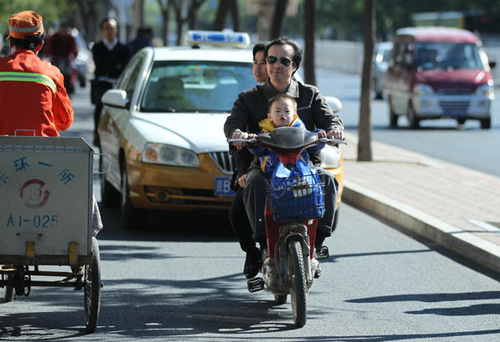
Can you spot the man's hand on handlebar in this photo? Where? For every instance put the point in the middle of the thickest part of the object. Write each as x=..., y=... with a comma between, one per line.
x=336, y=133
x=242, y=135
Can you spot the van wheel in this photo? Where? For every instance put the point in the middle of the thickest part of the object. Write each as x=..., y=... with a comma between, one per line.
x=486, y=123
x=393, y=118
x=461, y=121
x=412, y=117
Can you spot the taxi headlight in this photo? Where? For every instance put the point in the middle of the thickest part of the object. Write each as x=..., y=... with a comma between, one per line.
x=169, y=155
x=422, y=89
x=330, y=157
x=486, y=90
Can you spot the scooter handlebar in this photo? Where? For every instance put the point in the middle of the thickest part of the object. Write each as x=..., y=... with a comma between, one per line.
x=250, y=141
x=335, y=141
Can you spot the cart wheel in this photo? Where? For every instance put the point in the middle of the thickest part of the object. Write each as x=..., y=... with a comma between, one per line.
x=9, y=290
x=92, y=290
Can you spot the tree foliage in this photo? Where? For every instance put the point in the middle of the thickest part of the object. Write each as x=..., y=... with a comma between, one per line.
x=53, y=12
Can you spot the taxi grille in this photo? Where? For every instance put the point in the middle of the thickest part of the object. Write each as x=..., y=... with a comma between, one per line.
x=223, y=161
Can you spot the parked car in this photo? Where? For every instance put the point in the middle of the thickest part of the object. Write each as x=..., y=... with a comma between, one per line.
x=438, y=72
x=381, y=54
x=163, y=128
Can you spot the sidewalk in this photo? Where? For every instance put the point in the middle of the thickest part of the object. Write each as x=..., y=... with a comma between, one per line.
x=455, y=207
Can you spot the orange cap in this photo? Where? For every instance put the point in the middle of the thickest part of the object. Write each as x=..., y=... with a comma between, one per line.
x=25, y=24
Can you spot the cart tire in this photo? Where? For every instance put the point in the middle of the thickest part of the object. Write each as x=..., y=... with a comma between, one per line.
x=9, y=291
x=298, y=286
x=92, y=289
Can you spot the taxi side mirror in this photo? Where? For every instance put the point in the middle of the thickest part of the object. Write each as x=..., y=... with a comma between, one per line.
x=116, y=98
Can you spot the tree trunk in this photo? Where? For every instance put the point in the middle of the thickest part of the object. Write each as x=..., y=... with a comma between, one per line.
x=364, y=128
x=309, y=37
x=179, y=18
x=220, y=18
x=235, y=16
x=226, y=6
x=165, y=12
x=90, y=15
x=138, y=16
x=278, y=19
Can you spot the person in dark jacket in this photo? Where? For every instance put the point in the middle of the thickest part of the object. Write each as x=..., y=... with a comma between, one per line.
x=142, y=40
x=110, y=58
x=283, y=57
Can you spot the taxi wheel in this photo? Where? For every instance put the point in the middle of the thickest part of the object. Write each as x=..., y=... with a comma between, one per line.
x=130, y=217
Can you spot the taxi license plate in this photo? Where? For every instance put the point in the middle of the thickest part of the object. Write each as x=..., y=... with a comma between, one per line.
x=223, y=187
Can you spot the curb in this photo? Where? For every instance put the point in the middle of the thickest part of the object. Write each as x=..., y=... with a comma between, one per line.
x=455, y=239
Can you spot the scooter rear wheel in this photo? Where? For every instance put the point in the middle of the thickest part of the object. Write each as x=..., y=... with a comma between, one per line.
x=298, y=287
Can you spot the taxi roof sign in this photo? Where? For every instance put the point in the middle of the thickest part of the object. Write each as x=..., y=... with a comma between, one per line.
x=217, y=38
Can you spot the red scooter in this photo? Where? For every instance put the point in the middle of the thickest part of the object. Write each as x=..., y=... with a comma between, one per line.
x=294, y=204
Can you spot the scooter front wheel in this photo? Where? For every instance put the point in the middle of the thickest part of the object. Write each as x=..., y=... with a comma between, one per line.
x=298, y=287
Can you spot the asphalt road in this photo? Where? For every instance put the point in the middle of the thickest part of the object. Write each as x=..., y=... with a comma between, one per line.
x=180, y=280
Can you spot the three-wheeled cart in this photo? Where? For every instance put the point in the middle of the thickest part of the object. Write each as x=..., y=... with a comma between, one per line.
x=46, y=218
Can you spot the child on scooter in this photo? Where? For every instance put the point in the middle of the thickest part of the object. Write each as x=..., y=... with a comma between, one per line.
x=282, y=112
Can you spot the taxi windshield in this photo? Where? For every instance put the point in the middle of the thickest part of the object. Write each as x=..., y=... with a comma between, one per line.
x=195, y=86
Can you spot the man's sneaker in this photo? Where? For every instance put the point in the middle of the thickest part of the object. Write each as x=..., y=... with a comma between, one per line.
x=322, y=252
x=252, y=263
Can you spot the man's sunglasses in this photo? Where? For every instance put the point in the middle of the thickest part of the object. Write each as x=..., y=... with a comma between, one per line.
x=285, y=61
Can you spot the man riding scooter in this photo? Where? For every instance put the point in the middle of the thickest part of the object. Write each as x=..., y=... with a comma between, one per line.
x=283, y=58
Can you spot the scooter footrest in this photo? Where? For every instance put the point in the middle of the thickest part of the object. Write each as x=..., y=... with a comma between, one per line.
x=255, y=284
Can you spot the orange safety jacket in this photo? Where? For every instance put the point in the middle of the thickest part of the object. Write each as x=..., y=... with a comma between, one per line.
x=33, y=99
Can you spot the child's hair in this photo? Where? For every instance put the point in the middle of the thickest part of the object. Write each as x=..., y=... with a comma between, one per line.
x=280, y=96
